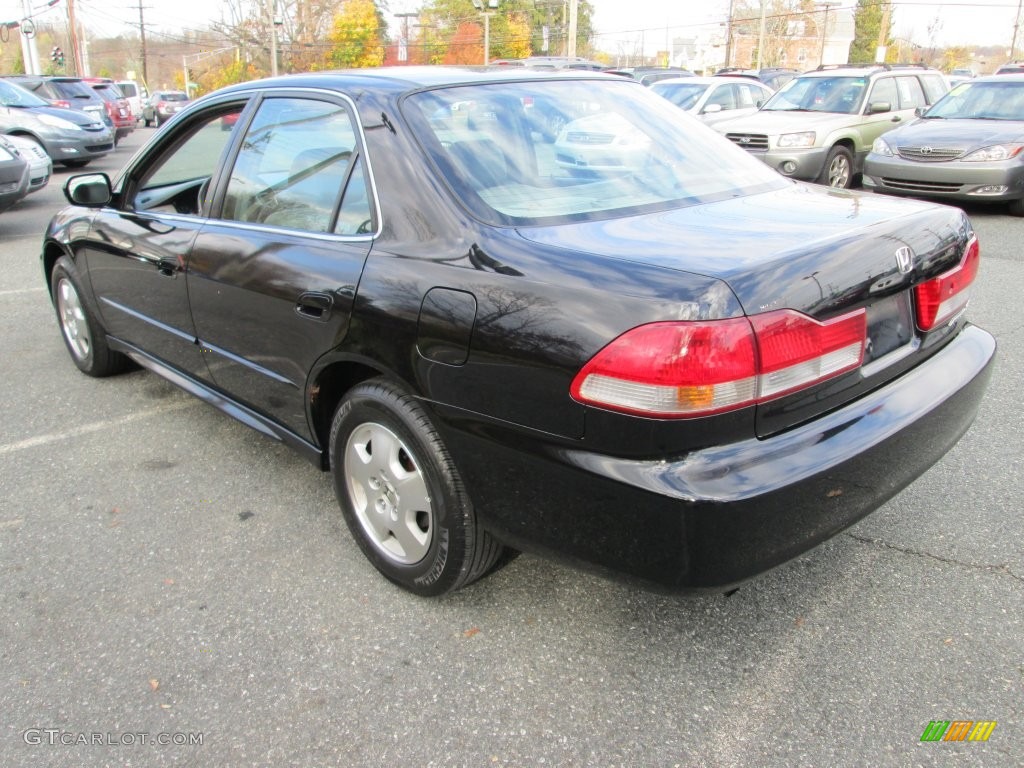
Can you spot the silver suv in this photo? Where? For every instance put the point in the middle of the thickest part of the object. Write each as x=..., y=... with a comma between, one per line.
x=820, y=125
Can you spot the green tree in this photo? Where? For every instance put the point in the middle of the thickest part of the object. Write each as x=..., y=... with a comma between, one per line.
x=357, y=36
x=867, y=20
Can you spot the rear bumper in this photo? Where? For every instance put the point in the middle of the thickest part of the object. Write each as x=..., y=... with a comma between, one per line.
x=713, y=518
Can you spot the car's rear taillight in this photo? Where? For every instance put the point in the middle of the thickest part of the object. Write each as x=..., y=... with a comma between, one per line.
x=60, y=103
x=797, y=351
x=944, y=297
x=681, y=369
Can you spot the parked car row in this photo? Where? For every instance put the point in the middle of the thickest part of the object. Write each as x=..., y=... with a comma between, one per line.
x=69, y=121
x=901, y=130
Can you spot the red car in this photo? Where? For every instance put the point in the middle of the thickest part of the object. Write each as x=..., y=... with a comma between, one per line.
x=117, y=106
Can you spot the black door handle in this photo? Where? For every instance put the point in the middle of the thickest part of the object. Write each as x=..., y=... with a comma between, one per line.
x=314, y=305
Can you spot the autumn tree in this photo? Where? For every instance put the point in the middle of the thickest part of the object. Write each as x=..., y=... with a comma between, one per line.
x=516, y=27
x=357, y=36
x=226, y=73
x=466, y=45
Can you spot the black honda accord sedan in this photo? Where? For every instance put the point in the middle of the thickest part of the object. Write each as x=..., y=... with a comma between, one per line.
x=650, y=355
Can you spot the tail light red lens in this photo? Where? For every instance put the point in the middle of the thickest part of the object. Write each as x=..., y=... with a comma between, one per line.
x=942, y=298
x=683, y=369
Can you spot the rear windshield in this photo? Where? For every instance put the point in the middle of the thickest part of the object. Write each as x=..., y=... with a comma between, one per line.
x=128, y=89
x=74, y=89
x=108, y=92
x=545, y=152
x=173, y=96
x=683, y=95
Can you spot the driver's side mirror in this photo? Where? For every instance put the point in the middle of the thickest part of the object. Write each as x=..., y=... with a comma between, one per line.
x=710, y=109
x=93, y=190
x=877, y=107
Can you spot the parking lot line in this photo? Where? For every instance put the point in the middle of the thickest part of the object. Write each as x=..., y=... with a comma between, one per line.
x=96, y=426
x=19, y=291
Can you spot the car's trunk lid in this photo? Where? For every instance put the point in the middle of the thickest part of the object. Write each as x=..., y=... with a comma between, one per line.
x=821, y=252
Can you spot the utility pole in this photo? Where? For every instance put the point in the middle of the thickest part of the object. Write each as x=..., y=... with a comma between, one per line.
x=86, y=68
x=760, y=37
x=272, y=8
x=76, y=50
x=480, y=6
x=29, y=52
x=728, y=36
x=574, y=11
x=1016, y=26
x=883, y=35
x=826, y=6
x=142, y=37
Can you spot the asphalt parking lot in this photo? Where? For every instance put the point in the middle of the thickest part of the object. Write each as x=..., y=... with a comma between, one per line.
x=170, y=575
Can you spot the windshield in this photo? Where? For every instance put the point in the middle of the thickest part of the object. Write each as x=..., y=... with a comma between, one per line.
x=842, y=95
x=555, y=151
x=982, y=101
x=683, y=95
x=12, y=95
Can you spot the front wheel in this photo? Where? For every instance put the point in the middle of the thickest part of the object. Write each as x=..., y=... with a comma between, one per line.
x=1016, y=207
x=401, y=494
x=838, y=170
x=83, y=335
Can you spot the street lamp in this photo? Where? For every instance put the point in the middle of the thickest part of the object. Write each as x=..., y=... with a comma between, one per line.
x=479, y=5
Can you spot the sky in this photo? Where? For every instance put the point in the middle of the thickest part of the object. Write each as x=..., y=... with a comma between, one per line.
x=618, y=22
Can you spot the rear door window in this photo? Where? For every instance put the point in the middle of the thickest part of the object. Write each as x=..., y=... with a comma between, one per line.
x=297, y=158
x=934, y=87
x=911, y=93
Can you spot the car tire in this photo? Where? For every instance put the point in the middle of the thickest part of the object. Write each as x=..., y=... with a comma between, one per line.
x=83, y=335
x=401, y=494
x=1016, y=207
x=838, y=169
x=146, y=121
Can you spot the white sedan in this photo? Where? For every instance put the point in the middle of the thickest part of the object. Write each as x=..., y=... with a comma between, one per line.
x=712, y=99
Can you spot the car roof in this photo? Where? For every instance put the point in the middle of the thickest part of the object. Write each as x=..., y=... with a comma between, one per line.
x=1010, y=77
x=709, y=80
x=855, y=70
x=399, y=79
